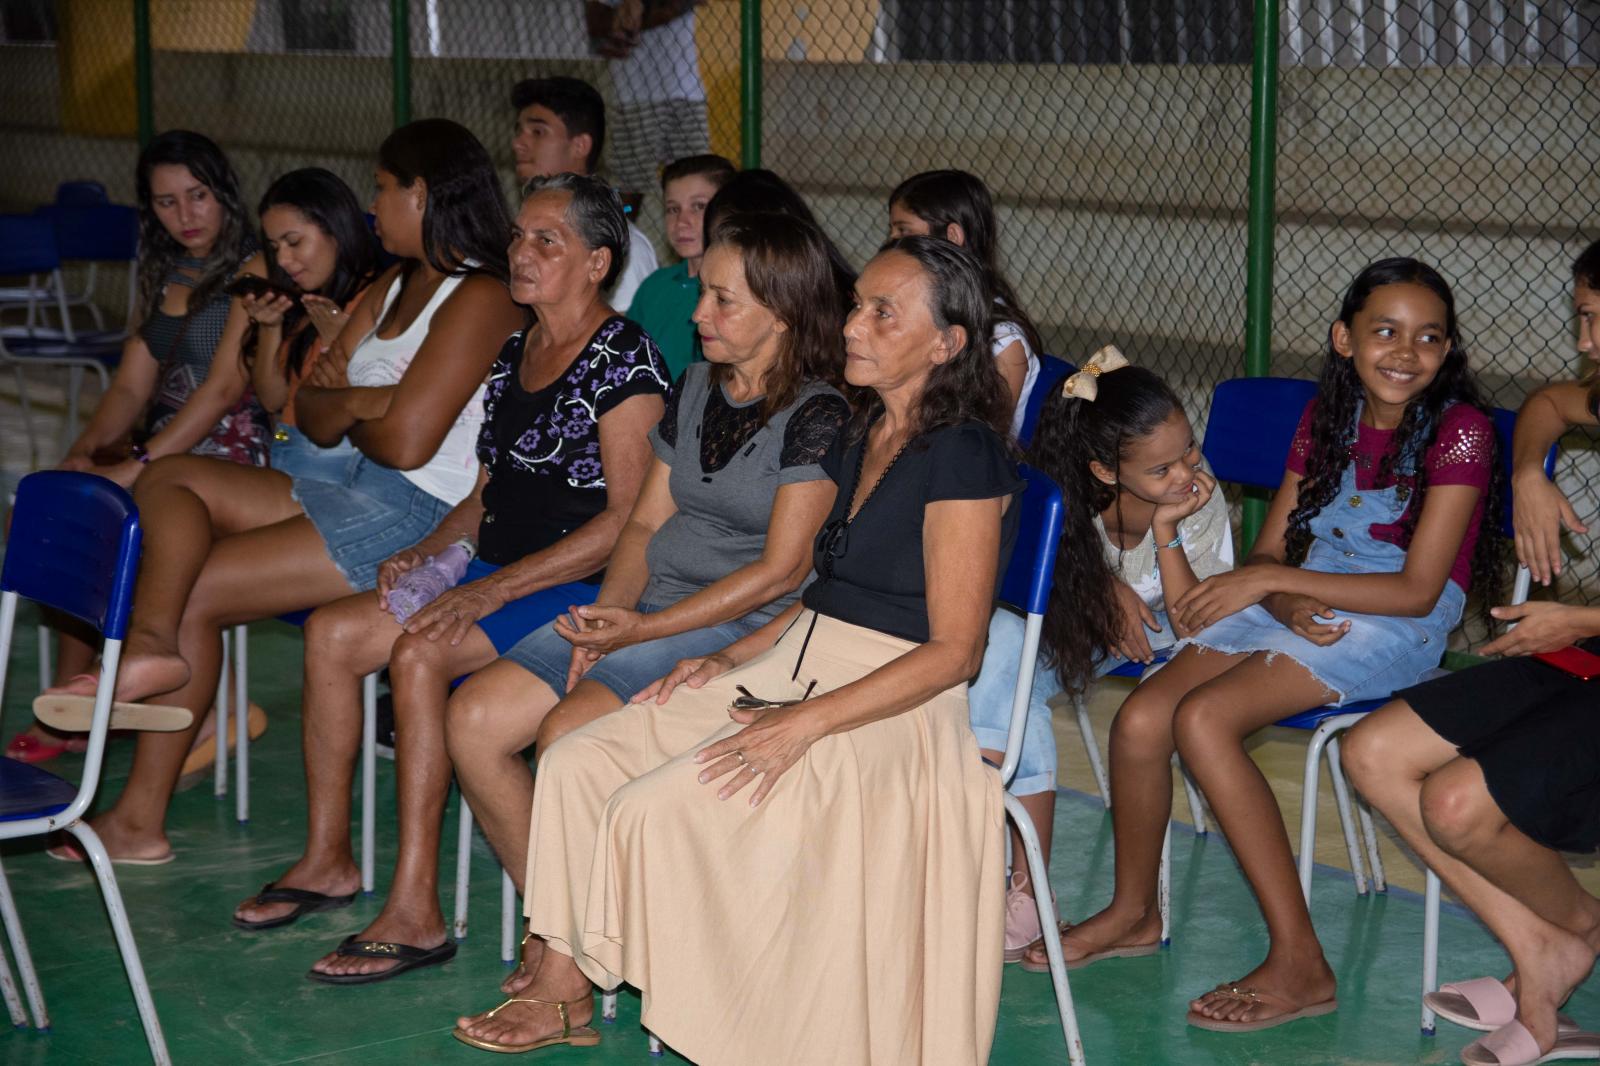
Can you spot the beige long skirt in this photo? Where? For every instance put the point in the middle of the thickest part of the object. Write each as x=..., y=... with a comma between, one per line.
x=855, y=916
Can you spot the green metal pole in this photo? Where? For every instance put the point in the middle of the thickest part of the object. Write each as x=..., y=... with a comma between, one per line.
x=400, y=59
x=750, y=83
x=1263, y=186
x=141, y=71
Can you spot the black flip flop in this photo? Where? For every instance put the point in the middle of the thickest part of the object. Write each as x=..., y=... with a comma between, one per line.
x=305, y=901
x=405, y=957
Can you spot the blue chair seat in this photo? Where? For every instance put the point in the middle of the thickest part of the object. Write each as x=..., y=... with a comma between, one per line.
x=103, y=346
x=29, y=792
x=1317, y=715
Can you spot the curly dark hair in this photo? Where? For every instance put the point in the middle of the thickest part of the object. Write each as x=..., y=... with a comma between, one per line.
x=159, y=251
x=1334, y=429
x=966, y=387
x=787, y=267
x=1083, y=620
x=942, y=198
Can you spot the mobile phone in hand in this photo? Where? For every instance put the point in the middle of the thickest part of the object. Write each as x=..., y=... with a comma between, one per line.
x=260, y=288
x=1583, y=665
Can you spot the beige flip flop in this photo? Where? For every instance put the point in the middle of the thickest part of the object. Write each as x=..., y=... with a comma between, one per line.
x=74, y=714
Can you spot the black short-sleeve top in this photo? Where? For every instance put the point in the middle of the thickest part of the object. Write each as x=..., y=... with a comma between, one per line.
x=542, y=449
x=873, y=574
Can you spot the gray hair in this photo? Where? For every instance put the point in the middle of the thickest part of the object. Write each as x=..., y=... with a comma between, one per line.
x=595, y=213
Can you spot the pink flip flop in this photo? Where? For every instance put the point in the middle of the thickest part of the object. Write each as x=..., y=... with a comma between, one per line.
x=1483, y=1003
x=1513, y=1045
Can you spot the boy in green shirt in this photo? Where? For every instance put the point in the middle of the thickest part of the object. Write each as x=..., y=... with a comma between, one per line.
x=666, y=299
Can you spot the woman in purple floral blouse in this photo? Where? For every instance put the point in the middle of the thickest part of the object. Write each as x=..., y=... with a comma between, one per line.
x=562, y=453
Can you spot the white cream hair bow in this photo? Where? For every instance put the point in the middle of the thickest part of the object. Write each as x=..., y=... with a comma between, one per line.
x=1085, y=384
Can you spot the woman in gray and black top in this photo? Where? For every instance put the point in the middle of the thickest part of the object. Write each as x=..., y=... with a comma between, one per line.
x=719, y=541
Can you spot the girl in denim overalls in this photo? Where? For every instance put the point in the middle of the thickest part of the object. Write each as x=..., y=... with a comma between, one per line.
x=1357, y=578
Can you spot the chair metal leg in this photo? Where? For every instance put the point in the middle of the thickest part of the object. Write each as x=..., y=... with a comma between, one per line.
x=1164, y=887
x=508, y=919
x=1091, y=747
x=19, y=951
x=369, y=774
x=1347, y=821
x=608, y=1006
x=69, y=425
x=1370, y=832
x=219, y=716
x=47, y=670
x=1308, y=810
x=27, y=415
x=8, y=989
x=655, y=1044
x=463, y=869
x=1197, y=806
x=101, y=863
x=1430, y=946
x=1040, y=875
x=241, y=717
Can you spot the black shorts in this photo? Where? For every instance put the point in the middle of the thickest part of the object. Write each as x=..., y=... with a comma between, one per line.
x=1535, y=731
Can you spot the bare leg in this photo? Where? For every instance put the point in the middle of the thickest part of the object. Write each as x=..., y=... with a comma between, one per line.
x=1551, y=926
x=1211, y=725
x=493, y=718
x=1141, y=805
x=344, y=641
x=420, y=672
x=247, y=577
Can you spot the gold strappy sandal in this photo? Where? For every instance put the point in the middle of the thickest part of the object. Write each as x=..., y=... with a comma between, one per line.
x=582, y=1036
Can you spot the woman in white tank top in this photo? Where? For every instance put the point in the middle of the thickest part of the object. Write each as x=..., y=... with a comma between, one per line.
x=404, y=383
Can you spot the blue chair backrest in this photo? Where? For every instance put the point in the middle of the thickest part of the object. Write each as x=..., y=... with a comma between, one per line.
x=1026, y=583
x=74, y=546
x=28, y=245
x=81, y=194
x=1253, y=422
x=102, y=233
x=1251, y=425
x=1051, y=373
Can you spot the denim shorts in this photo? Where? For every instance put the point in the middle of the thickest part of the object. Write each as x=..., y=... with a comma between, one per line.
x=545, y=654
x=367, y=516
x=989, y=700
x=522, y=616
x=295, y=454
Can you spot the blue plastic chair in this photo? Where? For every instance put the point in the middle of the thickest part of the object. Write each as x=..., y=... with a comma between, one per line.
x=95, y=233
x=29, y=245
x=1026, y=587
x=1052, y=372
x=75, y=547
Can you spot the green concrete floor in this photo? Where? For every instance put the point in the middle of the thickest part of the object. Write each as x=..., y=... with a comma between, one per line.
x=230, y=997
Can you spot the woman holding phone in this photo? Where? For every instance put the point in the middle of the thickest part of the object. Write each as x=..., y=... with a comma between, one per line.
x=181, y=385
x=323, y=256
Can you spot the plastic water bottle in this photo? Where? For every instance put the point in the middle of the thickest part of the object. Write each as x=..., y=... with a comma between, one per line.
x=420, y=587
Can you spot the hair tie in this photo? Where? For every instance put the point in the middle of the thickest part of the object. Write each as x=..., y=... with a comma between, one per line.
x=1085, y=384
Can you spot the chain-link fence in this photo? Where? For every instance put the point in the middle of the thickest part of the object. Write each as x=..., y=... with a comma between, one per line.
x=1114, y=133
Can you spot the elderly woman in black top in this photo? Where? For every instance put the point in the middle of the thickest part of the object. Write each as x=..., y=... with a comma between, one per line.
x=818, y=880
x=562, y=453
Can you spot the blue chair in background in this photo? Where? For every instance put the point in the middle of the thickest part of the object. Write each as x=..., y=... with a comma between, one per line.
x=1052, y=372
x=92, y=234
x=1026, y=587
x=74, y=546
x=29, y=245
